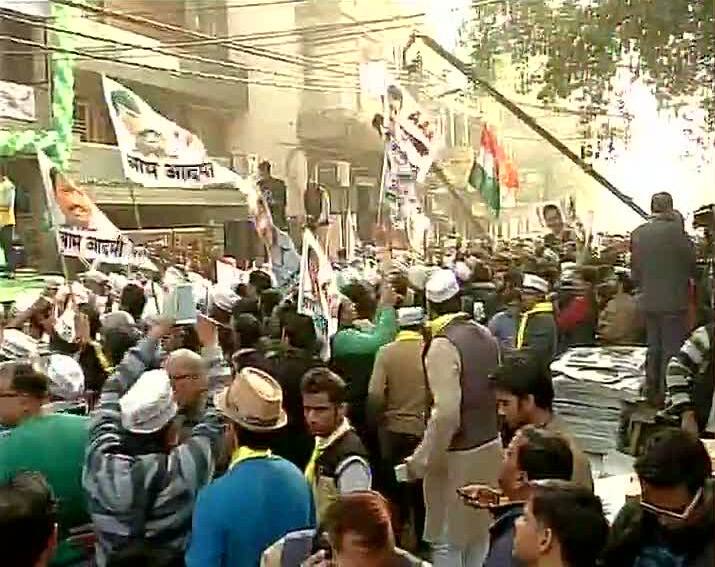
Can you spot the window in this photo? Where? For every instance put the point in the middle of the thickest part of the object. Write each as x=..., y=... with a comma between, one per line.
x=81, y=119
x=92, y=123
x=460, y=130
x=18, y=61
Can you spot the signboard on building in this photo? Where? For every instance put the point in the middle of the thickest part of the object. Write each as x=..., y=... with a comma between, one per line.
x=17, y=101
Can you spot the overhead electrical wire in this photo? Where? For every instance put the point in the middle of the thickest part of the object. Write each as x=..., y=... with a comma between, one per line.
x=178, y=72
x=338, y=27
x=229, y=6
x=214, y=76
x=310, y=79
x=177, y=55
x=156, y=24
x=313, y=80
x=258, y=52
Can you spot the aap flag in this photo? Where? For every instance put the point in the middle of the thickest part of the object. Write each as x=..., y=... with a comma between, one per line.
x=155, y=151
x=317, y=291
x=413, y=136
x=83, y=231
x=412, y=140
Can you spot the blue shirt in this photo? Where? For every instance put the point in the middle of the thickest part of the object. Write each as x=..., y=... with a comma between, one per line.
x=501, y=538
x=504, y=326
x=252, y=506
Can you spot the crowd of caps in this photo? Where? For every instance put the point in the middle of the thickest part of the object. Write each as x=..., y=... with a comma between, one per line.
x=429, y=433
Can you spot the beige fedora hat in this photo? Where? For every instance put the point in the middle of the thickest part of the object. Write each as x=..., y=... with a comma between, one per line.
x=254, y=400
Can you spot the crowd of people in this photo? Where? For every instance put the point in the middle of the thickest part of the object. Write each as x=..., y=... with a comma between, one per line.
x=428, y=434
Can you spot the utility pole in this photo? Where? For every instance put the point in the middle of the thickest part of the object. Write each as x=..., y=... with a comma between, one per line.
x=466, y=70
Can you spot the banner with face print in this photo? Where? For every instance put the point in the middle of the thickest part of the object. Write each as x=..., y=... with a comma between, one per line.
x=414, y=133
x=156, y=152
x=318, y=294
x=17, y=102
x=82, y=230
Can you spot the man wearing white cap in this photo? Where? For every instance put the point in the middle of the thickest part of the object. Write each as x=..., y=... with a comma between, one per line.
x=66, y=385
x=141, y=484
x=397, y=403
x=537, y=329
x=261, y=497
x=98, y=285
x=461, y=443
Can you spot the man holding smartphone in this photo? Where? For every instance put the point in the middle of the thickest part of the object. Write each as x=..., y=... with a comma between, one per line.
x=533, y=455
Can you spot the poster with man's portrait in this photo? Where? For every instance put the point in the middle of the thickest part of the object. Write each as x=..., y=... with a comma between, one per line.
x=156, y=152
x=414, y=131
x=82, y=229
x=318, y=294
x=17, y=101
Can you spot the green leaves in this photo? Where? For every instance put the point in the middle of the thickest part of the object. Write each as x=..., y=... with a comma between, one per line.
x=670, y=43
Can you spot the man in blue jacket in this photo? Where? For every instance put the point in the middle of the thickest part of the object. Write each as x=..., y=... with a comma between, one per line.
x=261, y=497
x=533, y=455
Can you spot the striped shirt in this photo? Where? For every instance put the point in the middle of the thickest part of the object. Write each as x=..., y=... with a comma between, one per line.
x=684, y=368
x=115, y=482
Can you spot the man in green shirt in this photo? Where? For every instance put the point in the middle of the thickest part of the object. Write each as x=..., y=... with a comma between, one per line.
x=52, y=444
x=354, y=349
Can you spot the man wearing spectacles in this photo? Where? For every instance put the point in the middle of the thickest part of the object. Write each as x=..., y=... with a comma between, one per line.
x=188, y=375
x=674, y=524
x=52, y=444
x=22, y=395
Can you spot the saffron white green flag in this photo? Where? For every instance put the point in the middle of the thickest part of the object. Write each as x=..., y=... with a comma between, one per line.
x=485, y=171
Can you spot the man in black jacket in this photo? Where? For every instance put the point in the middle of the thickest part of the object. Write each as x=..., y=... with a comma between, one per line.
x=662, y=262
x=274, y=191
x=294, y=442
x=675, y=520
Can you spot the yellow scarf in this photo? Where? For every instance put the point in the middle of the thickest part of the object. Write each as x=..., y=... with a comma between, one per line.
x=437, y=325
x=544, y=307
x=408, y=336
x=104, y=363
x=321, y=444
x=245, y=453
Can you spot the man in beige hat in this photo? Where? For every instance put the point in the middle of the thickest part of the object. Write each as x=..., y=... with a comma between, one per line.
x=261, y=497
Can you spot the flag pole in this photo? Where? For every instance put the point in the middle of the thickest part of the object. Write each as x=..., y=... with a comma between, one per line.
x=587, y=168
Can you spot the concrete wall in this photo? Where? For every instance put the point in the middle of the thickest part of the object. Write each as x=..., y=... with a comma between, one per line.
x=268, y=125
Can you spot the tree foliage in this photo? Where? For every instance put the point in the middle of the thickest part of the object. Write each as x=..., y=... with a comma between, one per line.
x=668, y=43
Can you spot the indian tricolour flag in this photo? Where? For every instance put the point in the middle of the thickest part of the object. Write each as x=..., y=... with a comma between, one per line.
x=492, y=170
